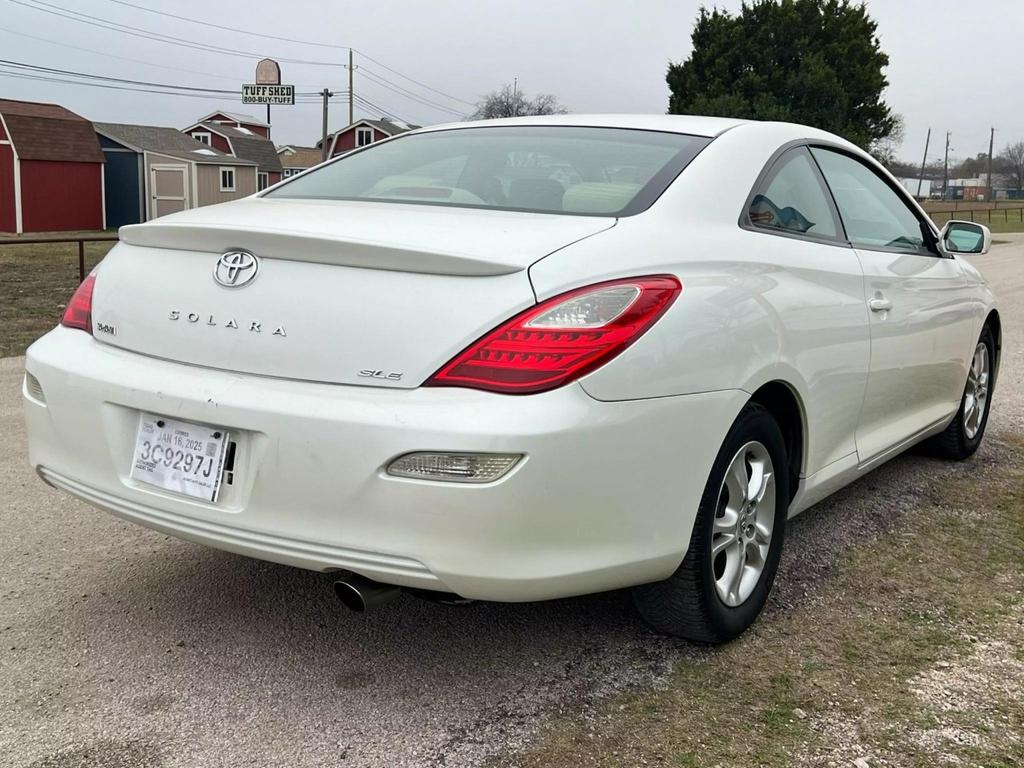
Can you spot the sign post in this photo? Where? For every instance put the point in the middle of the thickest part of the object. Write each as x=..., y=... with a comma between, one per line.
x=268, y=89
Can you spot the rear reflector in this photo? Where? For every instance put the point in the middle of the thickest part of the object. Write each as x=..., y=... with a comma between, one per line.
x=79, y=310
x=454, y=467
x=34, y=388
x=562, y=338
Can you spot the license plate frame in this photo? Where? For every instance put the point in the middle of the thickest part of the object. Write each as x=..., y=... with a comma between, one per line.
x=179, y=456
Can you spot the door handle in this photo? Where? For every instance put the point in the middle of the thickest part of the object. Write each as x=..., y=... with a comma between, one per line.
x=880, y=305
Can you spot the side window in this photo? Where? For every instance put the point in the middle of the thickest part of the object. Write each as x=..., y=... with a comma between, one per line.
x=792, y=199
x=874, y=215
x=227, y=179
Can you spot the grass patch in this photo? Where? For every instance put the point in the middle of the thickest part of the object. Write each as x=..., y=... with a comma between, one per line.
x=999, y=221
x=857, y=666
x=36, y=282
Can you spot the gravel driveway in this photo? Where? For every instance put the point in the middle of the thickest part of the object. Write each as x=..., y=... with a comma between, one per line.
x=122, y=647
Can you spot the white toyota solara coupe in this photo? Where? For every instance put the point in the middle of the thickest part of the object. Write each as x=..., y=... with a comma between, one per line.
x=524, y=359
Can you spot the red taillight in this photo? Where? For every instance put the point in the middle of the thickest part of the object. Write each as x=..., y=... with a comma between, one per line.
x=561, y=339
x=79, y=310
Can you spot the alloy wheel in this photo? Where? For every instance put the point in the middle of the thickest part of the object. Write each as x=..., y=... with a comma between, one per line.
x=742, y=532
x=976, y=393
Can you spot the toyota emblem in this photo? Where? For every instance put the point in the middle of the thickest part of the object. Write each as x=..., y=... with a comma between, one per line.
x=236, y=268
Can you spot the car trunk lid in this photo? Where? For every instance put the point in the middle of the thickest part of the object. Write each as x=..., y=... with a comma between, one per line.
x=347, y=292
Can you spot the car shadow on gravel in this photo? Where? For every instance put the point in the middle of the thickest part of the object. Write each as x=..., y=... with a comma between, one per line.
x=190, y=599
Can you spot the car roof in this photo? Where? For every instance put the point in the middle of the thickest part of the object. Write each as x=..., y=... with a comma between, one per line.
x=693, y=125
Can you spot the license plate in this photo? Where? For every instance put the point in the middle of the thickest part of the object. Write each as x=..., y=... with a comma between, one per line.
x=179, y=456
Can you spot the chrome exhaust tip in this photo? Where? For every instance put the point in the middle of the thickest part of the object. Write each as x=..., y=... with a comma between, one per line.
x=359, y=594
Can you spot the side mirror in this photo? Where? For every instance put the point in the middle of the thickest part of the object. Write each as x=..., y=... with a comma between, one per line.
x=965, y=237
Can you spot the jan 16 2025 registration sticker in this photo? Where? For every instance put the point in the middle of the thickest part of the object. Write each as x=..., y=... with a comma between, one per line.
x=179, y=456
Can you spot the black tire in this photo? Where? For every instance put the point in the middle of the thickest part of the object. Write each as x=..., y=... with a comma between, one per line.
x=954, y=442
x=687, y=604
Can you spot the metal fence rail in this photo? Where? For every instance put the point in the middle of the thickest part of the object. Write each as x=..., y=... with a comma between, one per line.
x=48, y=240
x=976, y=211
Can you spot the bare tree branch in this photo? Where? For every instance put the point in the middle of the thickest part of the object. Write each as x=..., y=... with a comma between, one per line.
x=1013, y=163
x=510, y=102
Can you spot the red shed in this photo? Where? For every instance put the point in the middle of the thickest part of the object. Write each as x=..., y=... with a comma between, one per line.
x=363, y=132
x=51, y=169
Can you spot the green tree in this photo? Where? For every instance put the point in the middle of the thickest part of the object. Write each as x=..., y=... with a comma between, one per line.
x=816, y=62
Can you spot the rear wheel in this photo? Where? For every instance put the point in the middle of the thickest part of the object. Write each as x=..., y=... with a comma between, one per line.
x=963, y=435
x=724, y=580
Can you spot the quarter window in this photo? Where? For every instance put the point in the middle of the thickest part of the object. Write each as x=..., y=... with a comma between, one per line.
x=792, y=199
x=227, y=179
x=874, y=215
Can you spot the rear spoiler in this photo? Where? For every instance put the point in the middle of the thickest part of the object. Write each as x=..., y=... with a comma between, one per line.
x=291, y=245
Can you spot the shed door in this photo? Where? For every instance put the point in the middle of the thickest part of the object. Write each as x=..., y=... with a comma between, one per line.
x=168, y=189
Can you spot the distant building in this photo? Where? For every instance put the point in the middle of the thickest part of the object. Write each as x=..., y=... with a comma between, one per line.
x=242, y=136
x=295, y=160
x=237, y=120
x=152, y=171
x=364, y=132
x=968, y=190
x=911, y=185
x=51, y=169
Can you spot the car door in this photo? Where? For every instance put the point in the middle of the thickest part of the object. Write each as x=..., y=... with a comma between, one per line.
x=918, y=305
x=815, y=288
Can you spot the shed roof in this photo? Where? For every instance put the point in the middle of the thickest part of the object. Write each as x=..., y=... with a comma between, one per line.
x=248, y=145
x=238, y=117
x=301, y=157
x=166, y=141
x=391, y=127
x=49, y=132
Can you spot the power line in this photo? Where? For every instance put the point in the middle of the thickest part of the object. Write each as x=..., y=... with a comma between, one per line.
x=55, y=71
x=52, y=74
x=369, y=105
x=290, y=40
x=228, y=29
x=407, y=92
x=409, y=95
x=127, y=58
x=109, y=86
x=422, y=85
x=28, y=75
x=115, y=56
x=113, y=26
x=127, y=29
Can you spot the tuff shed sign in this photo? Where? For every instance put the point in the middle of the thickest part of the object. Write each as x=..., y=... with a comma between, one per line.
x=254, y=93
x=268, y=89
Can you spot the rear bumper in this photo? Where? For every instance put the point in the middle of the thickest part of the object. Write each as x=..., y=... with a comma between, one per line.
x=605, y=497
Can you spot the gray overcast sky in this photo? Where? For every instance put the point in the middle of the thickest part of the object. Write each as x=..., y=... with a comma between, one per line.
x=954, y=66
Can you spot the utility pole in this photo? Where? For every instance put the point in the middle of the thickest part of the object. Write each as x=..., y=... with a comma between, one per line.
x=991, y=141
x=515, y=100
x=323, y=142
x=351, y=94
x=945, y=169
x=924, y=161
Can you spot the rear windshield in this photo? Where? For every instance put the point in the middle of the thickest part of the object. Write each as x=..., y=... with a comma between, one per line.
x=546, y=169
